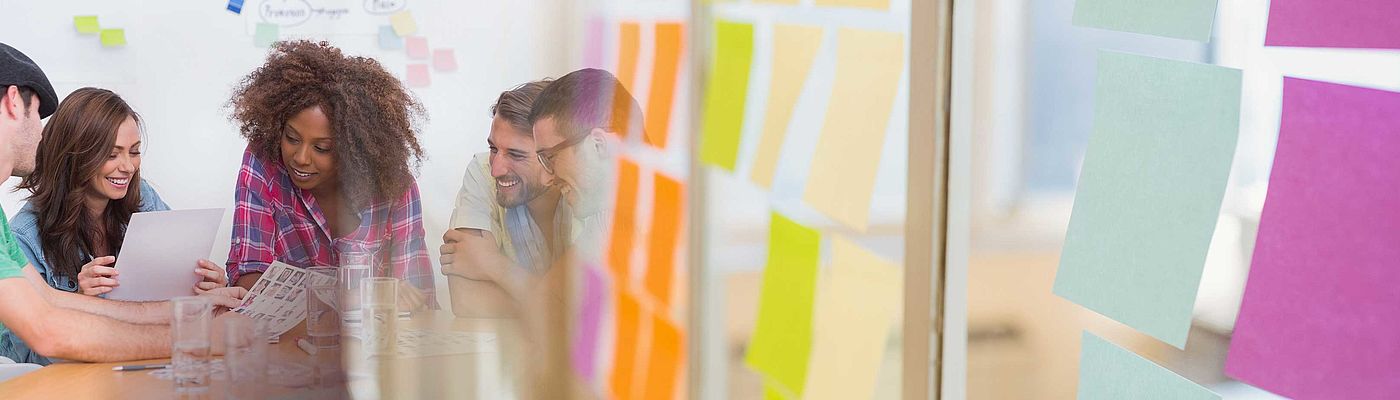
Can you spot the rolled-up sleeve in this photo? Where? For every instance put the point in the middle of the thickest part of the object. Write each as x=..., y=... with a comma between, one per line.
x=253, y=244
x=473, y=207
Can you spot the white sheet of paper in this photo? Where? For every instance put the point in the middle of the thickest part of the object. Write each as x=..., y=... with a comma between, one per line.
x=279, y=297
x=160, y=252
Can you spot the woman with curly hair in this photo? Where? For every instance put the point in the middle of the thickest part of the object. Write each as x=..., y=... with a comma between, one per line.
x=327, y=176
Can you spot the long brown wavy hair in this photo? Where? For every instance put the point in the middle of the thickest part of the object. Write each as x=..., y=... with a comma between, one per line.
x=75, y=144
x=373, y=118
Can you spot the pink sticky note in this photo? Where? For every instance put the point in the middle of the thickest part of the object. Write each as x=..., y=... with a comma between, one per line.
x=593, y=43
x=1321, y=311
x=444, y=60
x=1334, y=23
x=417, y=47
x=585, y=346
x=418, y=75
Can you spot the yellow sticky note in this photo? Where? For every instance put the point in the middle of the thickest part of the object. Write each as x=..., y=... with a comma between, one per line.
x=842, y=179
x=86, y=24
x=875, y=4
x=403, y=23
x=783, y=333
x=788, y=2
x=113, y=37
x=854, y=313
x=725, y=94
x=794, y=50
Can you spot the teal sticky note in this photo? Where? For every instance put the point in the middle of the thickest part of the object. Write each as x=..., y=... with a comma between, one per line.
x=266, y=35
x=388, y=40
x=1181, y=19
x=1109, y=372
x=1150, y=190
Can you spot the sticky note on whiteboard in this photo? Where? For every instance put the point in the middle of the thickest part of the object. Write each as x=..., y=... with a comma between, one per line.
x=1150, y=191
x=113, y=37
x=1326, y=252
x=1181, y=19
x=86, y=24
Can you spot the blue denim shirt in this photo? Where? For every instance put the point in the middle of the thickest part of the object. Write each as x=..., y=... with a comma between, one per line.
x=25, y=226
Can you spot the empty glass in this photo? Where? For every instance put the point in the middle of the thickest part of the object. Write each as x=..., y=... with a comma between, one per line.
x=245, y=355
x=190, y=344
x=380, y=305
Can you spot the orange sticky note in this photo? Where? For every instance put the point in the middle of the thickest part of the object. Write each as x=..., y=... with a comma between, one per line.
x=624, y=221
x=629, y=316
x=665, y=235
x=628, y=45
x=667, y=352
x=664, y=72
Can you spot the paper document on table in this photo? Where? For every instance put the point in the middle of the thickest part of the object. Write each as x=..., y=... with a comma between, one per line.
x=158, y=258
x=413, y=343
x=279, y=297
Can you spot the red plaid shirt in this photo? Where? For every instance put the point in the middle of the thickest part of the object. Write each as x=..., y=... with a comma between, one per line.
x=275, y=220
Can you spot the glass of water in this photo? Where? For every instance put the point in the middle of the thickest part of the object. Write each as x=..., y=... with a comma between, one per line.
x=351, y=283
x=245, y=355
x=190, y=344
x=323, y=323
x=380, y=304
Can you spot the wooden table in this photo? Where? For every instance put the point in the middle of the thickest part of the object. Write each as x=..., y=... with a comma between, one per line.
x=476, y=375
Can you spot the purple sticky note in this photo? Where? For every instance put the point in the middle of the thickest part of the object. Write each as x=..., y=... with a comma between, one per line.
x=585, y=344
x=417, y=47
x=418, y=75
x=593, y=43
x=444, y=60
x=1321, y=311
x=1373, y=24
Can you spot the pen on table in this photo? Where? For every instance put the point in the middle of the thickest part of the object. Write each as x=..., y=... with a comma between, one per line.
x=140, y=367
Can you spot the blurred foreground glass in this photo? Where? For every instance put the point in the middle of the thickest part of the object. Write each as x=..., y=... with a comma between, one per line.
x=190, y=344
x=380, y=315
x=245, y=356
x=323, y=323
x=351, y=281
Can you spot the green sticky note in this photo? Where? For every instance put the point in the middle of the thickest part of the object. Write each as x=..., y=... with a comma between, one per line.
x=266, y=35
x=782, y=337
x=725, y=94
x=1150, y=190
x=86, y=24
x=1181, y=19
x=1109, y=372
x=113, y=37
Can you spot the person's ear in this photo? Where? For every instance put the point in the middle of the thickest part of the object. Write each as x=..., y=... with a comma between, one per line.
x=12, y=103
x=598, y=138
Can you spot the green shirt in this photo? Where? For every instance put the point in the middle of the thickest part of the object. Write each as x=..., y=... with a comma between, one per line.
x=12, y=259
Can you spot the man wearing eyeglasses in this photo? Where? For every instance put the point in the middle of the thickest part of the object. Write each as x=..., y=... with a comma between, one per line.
x=507, y=224
x=578, y=122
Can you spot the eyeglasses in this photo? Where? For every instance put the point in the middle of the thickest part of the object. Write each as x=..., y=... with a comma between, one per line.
x=546, y=155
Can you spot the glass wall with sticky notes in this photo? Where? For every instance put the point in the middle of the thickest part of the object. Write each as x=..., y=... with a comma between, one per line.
x=1164, y=190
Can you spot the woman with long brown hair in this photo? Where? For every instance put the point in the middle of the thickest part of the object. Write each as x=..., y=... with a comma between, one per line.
x=85, y=186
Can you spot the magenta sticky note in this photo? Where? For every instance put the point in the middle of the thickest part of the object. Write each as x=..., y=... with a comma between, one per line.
x=1373, y=24
x=418, y=75
x=1321, y=311
x=444, y=60
x=593, y=43
x=417, y=47
x=585, y=345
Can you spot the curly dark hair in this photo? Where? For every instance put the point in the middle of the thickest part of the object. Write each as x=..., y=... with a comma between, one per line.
x=373, y=118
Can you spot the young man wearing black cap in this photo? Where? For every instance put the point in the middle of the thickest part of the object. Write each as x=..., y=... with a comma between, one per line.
x=54, y=323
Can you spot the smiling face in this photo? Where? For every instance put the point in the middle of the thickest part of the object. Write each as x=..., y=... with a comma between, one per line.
x=113, y=180
x=308, y=150
x=581, y=167
x=513, y=164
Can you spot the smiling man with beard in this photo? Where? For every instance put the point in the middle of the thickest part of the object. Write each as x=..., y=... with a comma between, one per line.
x=507, y=225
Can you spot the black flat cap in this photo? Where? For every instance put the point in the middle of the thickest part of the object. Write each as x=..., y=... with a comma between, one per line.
x=18, y=70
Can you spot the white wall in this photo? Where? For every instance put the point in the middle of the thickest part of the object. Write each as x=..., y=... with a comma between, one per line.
x=183, y=57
